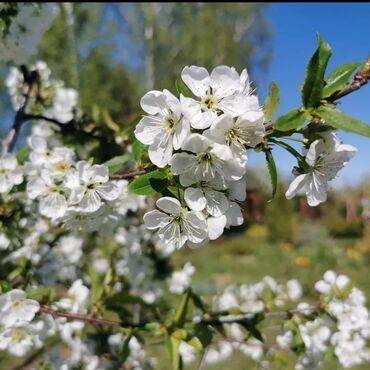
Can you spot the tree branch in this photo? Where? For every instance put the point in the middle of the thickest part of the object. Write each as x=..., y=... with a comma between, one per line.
x=128, y=174
x=237, y=319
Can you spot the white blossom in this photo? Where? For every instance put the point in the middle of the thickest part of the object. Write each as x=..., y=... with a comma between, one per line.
x=176, y=224
x=165, y=129
x=10, y=174
x=325, y=158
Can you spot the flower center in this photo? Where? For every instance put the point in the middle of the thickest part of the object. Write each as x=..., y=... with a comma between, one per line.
x=53, y=189
x=60, y=167
x=2, y=171
x=208, y=102
x=170, y=121
x=18, y=335
x=91, y=186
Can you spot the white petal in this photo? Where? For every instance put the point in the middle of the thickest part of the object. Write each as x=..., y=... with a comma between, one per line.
x=8, y=161
x=154, y=102
x=196, y=143
x=225, y=80
x=54, y=205
x=182, y=162
x=160, y=152
x=108, y=191
x=234, y=215
x=155, y=219
x=195, y=227
x=317, y=189
x=148, y=129
x=222, y=151
x=216, y=226
x=217, y=203
x=195, y=199
x=182, y=132
x=99, y=173
x=169, y=205
x=221, y=127
x=91, y=201
x=300, y=182
x=197, y=79
x=35, y=188
x=314, y=151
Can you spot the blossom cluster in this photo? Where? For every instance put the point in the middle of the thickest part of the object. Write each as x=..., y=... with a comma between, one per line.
x=58, y=102
x=203, y=140
x=20, y=39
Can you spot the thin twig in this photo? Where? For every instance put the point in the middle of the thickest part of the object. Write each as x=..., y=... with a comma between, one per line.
x=128, y=174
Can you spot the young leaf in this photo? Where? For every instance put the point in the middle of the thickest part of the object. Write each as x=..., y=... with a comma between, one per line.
x=116, y=163
x=338, y=78
x=183, y=308
x=138, y=150
x=337, y=119
x=149, y=184
x=290, y=121
x=313, y=85
x=173, y=345
x=272, y=101
x=22, y=153
x=183, y=89
x=272, y=171
x=125, y=350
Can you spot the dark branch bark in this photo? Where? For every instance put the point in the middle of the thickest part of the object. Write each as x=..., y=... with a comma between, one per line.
x=128, y=174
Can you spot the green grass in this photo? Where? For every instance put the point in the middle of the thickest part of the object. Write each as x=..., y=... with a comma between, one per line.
x=247, y=259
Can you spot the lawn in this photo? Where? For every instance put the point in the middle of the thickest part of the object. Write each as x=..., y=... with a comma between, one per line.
x=248, y=257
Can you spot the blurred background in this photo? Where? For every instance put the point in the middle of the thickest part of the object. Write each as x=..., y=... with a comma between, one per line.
x=113, y=53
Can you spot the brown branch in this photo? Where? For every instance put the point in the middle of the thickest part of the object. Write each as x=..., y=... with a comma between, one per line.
x=237, y=319
x=128, y=174
x=360, y=79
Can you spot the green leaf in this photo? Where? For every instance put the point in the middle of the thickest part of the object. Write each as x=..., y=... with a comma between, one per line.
x=195, y=343
x=5, y=286
x=204, y=334
x=272, y=171
x=272, y=101
x=338, y=78
x=314, y=83
x=337, y=119
x=183, y=308
x=173, y=345
x=22, y=153
x=116, y=163
x=125, y=350
x=183, y=89
x=109, y=122
x=41, y=294
x=149, y=184
x=290, y=121
x=138, y=150
x=96, y=284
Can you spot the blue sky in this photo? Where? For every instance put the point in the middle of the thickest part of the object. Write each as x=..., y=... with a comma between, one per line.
x=346, y=29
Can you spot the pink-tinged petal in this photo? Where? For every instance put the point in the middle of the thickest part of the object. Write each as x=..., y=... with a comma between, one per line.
x=148, y=129
x=298, y=184
x=154, y=102
x=216, y=226
x=195, y=199
x=155, y=219
x=197, y=79
x=169, y=205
